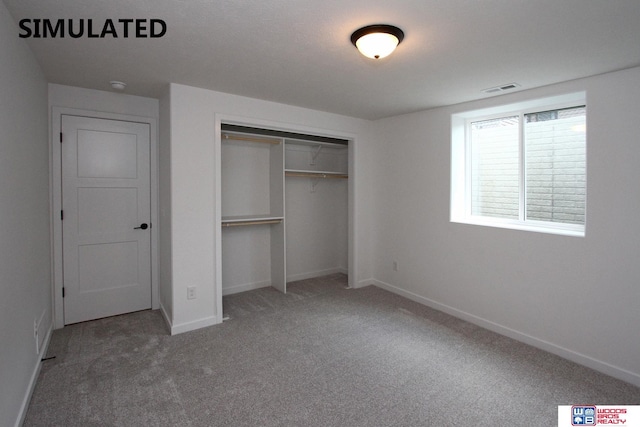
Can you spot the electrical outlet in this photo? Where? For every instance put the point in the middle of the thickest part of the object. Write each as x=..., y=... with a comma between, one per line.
x=395, y=265
x=191, y=292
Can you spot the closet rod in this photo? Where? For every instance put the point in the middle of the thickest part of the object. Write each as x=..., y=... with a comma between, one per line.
x=249, y=139
x=241, y=223
x=316, y=175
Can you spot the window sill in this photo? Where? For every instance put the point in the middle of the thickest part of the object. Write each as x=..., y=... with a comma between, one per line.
x=537, y=227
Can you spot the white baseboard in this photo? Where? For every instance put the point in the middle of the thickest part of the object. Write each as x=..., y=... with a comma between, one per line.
x=230, y=290
x=598, y=365
x=34, y=377
x=319, y=273
x=365, y=282
x=165, y=316
x=188, y=326
x=193, y=325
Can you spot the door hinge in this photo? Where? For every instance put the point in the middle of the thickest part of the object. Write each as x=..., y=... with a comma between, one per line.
x=61, y=215
x=61, y=137
x=62, y=292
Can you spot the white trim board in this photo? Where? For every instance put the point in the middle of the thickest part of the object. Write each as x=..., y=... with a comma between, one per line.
x=188, y=326
x=366, y=282
x=165, y=316
x=34, y=378
x=598, y=365
x=196, y=324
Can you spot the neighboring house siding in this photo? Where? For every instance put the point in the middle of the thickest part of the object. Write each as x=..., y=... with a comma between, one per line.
x=555, y=172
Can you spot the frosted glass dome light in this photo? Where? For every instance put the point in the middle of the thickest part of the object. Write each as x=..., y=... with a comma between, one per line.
x=377, y=41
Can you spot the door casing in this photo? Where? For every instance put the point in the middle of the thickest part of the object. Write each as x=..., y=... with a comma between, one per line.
x=56, y=201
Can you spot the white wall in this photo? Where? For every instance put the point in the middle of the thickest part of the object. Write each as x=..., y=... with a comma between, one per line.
x=193, y=131
x=25, y=264
x=577, y=297
x=75, y=100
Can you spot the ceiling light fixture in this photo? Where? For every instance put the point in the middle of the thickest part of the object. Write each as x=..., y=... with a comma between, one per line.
x=117, y=85
x=377, y=41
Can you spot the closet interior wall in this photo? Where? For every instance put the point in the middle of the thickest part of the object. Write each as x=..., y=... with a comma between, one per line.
x=252, y=213
x=284, y=210
x=316, y=209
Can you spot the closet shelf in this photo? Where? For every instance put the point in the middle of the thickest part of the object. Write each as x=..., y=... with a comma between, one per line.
x=231, y=137
x=237, y=221
x=290, y=141
x=315, y=174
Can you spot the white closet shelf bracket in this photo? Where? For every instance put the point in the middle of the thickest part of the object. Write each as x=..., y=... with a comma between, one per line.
x=314, y=155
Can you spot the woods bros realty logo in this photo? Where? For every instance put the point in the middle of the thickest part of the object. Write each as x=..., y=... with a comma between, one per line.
x=592, y=415
x=77, y=28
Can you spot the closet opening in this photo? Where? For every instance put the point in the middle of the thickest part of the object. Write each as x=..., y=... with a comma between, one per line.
x=284, y=207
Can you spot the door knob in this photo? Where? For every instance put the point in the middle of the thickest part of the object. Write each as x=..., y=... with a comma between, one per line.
x=143, y=226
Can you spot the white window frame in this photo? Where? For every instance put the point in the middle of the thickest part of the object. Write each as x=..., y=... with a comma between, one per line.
x=461, y=165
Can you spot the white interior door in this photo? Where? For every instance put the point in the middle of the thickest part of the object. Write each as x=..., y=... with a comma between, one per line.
x=106, y=217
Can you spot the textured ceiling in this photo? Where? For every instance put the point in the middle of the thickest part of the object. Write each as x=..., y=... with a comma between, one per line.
x=299, y=53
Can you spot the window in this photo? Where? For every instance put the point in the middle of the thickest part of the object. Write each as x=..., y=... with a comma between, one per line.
x=522, y=166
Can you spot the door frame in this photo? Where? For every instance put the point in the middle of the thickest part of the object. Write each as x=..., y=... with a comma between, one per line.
x=55, y=185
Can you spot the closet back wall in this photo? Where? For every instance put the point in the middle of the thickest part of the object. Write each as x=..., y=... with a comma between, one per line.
x=316, y=217
x=316, y=214
x=246, y=251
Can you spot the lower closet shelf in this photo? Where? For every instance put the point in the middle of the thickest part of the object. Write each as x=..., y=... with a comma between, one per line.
x=315, y=174
x=239, y=221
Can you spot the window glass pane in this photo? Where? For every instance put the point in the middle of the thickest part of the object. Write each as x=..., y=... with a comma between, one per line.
x=555, y=158
x=494, y=168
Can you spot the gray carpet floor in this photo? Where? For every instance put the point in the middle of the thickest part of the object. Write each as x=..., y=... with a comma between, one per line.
x=321, y=355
